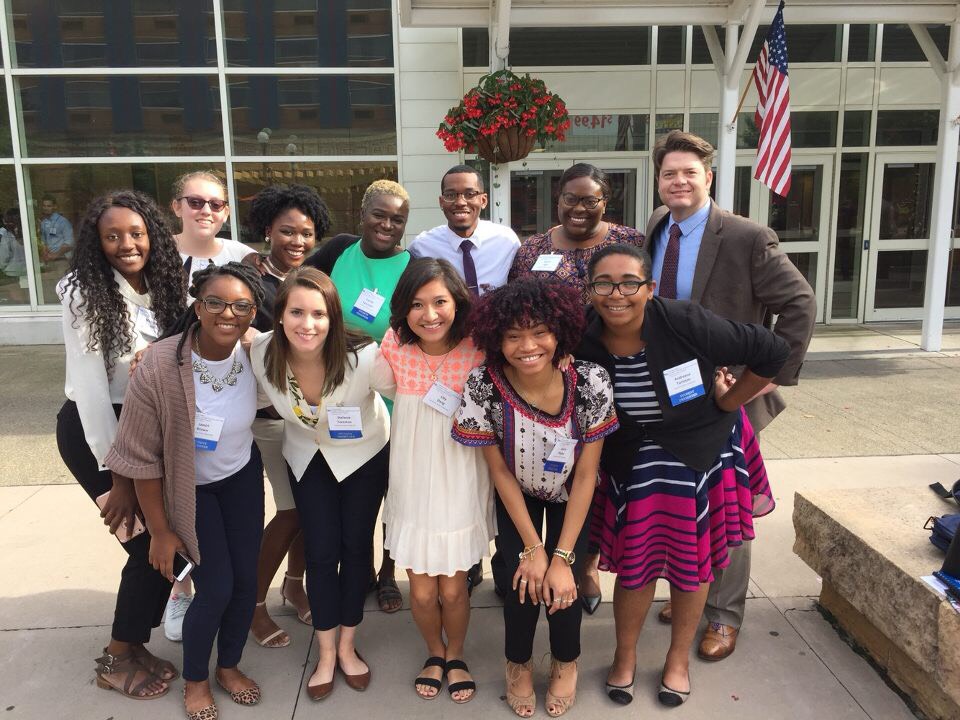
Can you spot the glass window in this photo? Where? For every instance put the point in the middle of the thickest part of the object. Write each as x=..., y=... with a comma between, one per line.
x=72, y=187
x=476, y=47
x=805, y=43
x=313, y=115
x=318, y=33
x=748, y=136
x=6, y=144
x=706, y=126
x=340, y=184
x=901, y=276
x=742, y=184
x=483, y=166
x=906, y=199
x=671, y=44
x=555, y=46
x=700, y=53
x=177, y=33
x=862, y=44
x=598, y=133
x=666, y=123
x=851, y=206
x=14, y=286
x=806, y=263
x=796, y=218
x=856, y=128
x=953, y=279
x=907, y=127
x=813, y=129
x=120, y=115
x=900, y=44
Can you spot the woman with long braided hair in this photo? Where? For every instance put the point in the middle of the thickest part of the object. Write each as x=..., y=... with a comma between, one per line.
x=186, y=440
x=125, y=287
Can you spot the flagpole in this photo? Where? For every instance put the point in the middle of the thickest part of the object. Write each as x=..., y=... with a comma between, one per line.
x=743, y=97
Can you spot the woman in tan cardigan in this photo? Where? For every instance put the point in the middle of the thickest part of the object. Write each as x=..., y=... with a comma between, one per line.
x=185, y=439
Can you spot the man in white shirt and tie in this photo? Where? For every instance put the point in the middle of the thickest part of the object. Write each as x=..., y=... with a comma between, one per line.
x=481, y=251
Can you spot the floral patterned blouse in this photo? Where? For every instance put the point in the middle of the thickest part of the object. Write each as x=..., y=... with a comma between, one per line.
x=573, y=267
x=493, y=413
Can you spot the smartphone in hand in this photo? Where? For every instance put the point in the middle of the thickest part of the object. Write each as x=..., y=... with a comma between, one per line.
x=124, y=533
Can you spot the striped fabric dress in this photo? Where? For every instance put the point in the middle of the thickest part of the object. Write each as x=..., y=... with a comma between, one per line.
x=668, y=520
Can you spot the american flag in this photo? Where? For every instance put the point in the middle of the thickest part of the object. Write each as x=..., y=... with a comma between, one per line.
x=773, y=110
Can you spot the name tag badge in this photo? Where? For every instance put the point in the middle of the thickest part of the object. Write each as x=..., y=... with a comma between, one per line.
x=547, y=263
x=206, y=431
x=368, y=305
x=561, y=454
x=442, y=399
x=345, y=423
x=146, y=323
x=684, y=383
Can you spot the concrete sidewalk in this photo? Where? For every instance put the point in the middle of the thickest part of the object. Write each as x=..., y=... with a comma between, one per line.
x=871, y=410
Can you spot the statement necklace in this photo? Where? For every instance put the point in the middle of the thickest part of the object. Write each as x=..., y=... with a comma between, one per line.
x=206, y=378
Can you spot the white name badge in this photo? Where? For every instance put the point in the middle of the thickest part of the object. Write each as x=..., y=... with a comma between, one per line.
x=146, y=323
x=206, y=431
x=561, y=454
x=368, y=305
x=683, y=382
x=442, y=399
x=547, y=263
x=345, y=423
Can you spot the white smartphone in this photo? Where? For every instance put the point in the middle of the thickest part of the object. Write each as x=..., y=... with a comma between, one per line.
x=182, y=566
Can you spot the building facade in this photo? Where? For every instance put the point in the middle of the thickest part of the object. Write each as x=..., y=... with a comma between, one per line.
x=335, y=94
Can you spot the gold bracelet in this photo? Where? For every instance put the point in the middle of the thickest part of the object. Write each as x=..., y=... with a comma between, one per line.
x=529, y=551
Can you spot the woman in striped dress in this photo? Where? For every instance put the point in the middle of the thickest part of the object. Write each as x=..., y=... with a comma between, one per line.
x=685, y=477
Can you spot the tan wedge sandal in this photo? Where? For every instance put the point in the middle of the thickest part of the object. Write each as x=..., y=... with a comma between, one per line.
x=522, y=705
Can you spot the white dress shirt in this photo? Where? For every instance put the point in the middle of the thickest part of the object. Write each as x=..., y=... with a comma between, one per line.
x=87, y=383
x=361, y=383
x=493, y=249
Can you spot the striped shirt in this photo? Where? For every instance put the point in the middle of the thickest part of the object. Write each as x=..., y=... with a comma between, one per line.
x=633, y=388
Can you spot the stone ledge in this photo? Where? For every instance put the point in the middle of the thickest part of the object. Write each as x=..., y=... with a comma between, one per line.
x=870, y=548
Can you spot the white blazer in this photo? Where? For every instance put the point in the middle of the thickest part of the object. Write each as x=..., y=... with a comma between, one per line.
x=363, y=379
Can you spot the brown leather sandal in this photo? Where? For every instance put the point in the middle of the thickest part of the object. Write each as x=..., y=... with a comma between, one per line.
x=163, y=669
x=128, y=666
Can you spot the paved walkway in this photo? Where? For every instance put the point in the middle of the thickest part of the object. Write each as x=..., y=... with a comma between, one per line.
x=871, y=410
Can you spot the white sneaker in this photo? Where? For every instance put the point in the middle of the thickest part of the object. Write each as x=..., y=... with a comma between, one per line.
x=173, y=624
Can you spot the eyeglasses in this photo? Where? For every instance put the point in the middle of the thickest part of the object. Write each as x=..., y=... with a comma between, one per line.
x=215, y=306
x=197, y=203
x=590, y=202
x=450, y=196
x=626, y=287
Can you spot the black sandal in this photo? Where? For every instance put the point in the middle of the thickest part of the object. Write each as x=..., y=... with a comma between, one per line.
x=429, y=681
x=457, y=664
x=389, y=597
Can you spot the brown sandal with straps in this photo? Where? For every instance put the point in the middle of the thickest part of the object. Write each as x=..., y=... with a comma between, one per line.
x=128, y=665
x=163, y=669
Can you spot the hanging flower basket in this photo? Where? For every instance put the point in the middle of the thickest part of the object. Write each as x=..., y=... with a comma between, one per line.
x=504, y=117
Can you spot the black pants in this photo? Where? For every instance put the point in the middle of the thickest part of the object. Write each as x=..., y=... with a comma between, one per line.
x=143, y=592
x=520, y=621
x=229, y=527
x=338, y=520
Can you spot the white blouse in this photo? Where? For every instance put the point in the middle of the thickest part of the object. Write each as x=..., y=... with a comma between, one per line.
x=87, y=383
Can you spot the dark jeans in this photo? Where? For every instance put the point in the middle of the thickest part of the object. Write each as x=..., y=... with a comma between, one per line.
x=338, y=520
x=143, y=592
x=520, y=621
x=229, y=527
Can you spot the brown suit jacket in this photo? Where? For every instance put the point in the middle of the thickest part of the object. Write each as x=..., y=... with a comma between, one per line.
x=742, y=274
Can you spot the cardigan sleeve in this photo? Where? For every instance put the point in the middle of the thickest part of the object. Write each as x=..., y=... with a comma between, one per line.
x=137, y=452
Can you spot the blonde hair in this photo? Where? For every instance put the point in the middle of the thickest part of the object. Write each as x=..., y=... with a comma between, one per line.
x=176, y=191
x=383, y=187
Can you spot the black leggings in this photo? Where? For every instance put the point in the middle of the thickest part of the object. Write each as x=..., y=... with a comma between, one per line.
x=338, y=520
x=143, y=592
x=520, y=621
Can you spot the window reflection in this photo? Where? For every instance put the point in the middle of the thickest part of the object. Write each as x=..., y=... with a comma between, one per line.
x=6, y=144
x=320, y=33
x=851, y=205
x=806, y=263
x=13, y=259
x=907, y=127
x=120, y=115
x=563, y=46
x=94, y=33
x=906, y=200
x=901, y=276
x=796, y=218
x=591, y=132
x=325, y=115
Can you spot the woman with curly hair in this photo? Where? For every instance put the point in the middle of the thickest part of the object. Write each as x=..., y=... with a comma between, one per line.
x=124, y=289
x=292, y=219
x=186, y=440
x=365, y=269
x=541, y=430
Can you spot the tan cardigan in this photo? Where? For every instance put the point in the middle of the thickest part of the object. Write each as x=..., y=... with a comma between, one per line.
x=155, y=436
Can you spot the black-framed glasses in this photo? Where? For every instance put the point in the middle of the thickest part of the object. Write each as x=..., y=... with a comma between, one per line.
x=590, y=202
x=196, y=202
x=215, y=306
x=626, y=287
x=450, y=196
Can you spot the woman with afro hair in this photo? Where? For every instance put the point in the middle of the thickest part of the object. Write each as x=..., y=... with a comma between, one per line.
x=541, y=429
x=125, y=288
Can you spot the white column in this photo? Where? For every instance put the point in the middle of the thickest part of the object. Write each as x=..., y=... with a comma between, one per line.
x=944, y=182
x=727, y=125
x=499, y=190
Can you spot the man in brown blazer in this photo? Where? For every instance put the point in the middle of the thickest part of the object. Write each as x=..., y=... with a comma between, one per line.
x=735, y=268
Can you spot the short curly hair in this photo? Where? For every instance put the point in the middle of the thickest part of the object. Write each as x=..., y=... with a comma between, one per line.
x=274, y=199
x=525, y=303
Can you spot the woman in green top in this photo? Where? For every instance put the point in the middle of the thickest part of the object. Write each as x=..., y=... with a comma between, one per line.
x=365, y=270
